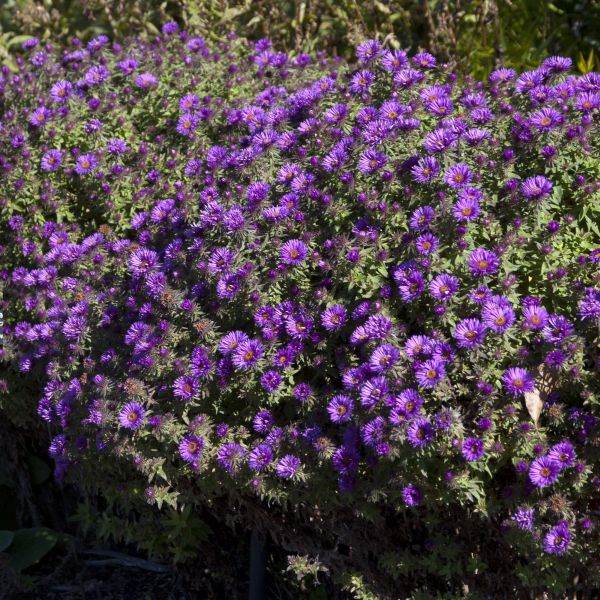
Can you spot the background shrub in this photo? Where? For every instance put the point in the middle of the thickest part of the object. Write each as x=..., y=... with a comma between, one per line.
x=473, y=37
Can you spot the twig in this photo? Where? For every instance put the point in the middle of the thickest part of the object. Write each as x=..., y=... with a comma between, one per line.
x=124, y=560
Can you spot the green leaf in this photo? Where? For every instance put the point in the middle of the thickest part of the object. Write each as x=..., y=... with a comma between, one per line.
x=18, y=40
x=6, y=539
x=39, y=471
x=29, y=546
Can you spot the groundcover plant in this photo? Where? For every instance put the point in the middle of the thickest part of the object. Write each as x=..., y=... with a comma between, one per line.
x=368, y=290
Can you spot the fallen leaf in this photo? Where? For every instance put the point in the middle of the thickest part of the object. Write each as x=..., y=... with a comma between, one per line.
x=545, y=383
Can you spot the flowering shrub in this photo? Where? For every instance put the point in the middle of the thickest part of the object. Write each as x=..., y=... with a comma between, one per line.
x=366, y=290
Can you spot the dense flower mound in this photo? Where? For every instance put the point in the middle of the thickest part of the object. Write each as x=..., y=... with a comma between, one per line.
x=352, y=285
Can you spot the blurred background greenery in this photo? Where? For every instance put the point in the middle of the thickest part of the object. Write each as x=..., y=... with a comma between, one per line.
x=475, y=35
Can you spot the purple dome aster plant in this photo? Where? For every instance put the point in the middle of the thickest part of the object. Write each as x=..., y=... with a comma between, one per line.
x=296, y=250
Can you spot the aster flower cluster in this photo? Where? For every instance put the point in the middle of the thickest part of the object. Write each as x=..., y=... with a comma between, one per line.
x=302, y=277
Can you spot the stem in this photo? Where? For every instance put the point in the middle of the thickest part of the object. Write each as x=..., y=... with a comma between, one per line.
x=258, y=565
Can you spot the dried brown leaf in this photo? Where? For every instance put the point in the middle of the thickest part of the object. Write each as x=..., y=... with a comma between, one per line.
x=545, y=383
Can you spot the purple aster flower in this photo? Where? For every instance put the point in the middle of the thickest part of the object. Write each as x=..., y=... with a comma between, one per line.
x=418, y=346
x=221, y=260
x=260, y=457
x=373, y=391
x=498, y=316
x=472, y=449
x=361, y=82
x=426, y=170
x=185, y=388
x=230, y=341
x=190, y=449
x=469, y=333
x=555, y=358
x=300, y=325
x=557, y=539
x=284, y=357
x=188, y=103
x=51, y=160
x=270, y=381
x=340, y=408
x=293, y=252
x=430, y=372
x=563, y=454
x=85, y=163
x=412, y=495
x=535, y=316
x=187, y=124
x=439, y=141
x=518, y=381
x=556, y=64
x=443, y=286
x=345, y=460
x=421, y=217
x=547, y=118
x=117, y=147
x=440, y=107
x=371, y=160
x=398, y=417
x=335, y=160
x=536, y=188
x=589, y=306
x=502, y=75
x=288, y=466
x=466, y=209
x=228, y=286
x=373, y=432
x=263, y=421
x=128, y=66
x=60, y=92
x=247, y=354
x=426, y=244
x=132, y=415
x=411, y=284
x=231, y=456
x=384, y=358
x=544, y=471
x=302, y=392
x=39, y=116
x=474, y=136
x=146, y=81
x=142, y=261
x=425, y=60
x=74, y=326
x=524, y=518
x=529, y=80
x=483, y=262
x=557, y=329
x=587, y=102
x=16, y=222
x=409, y=401
x=420, y=433
x=336, y=113
x=96, y=74
x=368, y=51
x=480, y=295
x=458, y=175
x=334, y=317
x=407, y=77
x=393, y=60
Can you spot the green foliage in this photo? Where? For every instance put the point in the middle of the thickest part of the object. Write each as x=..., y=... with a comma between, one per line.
x=176, y=534
x=26, y=547
x=474, y=35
